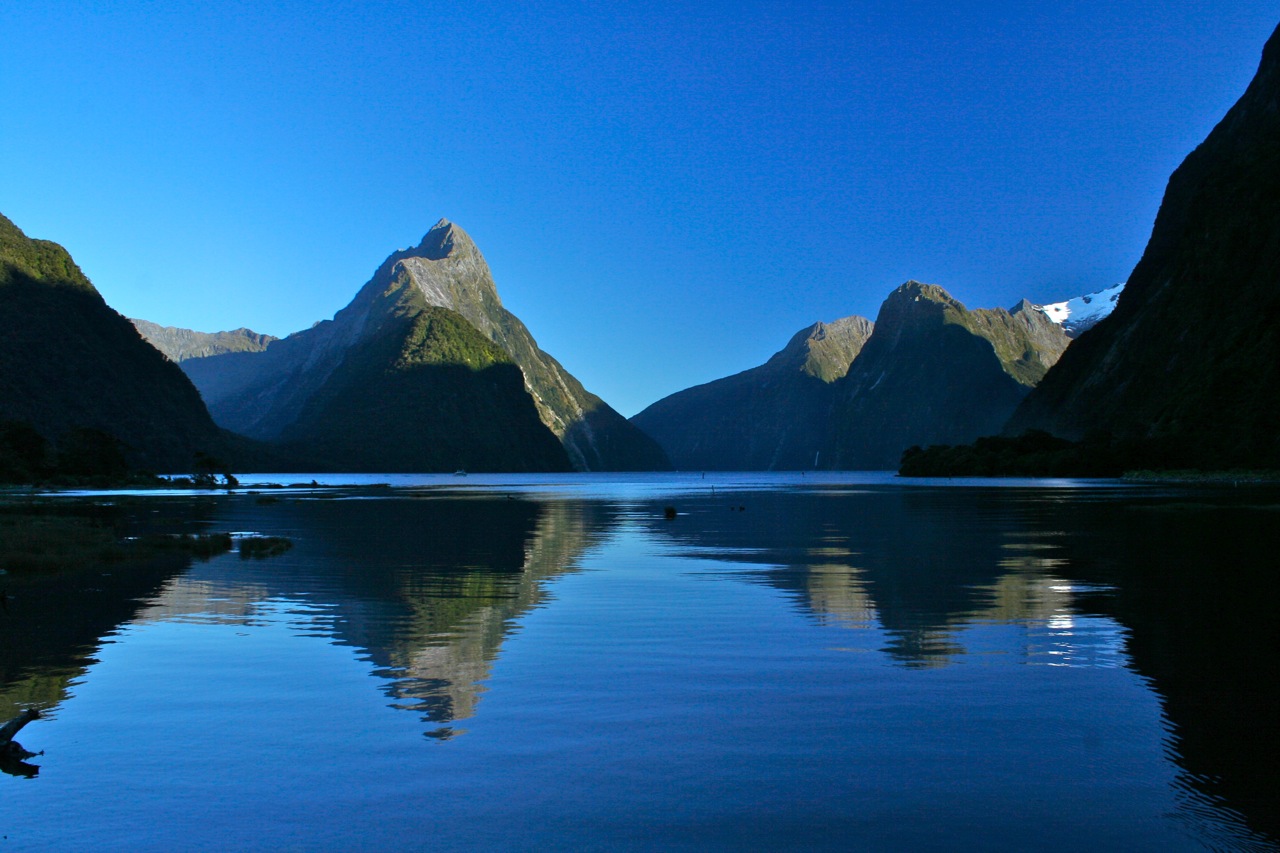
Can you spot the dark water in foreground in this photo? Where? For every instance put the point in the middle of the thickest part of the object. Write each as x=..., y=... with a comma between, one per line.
x=789, y=663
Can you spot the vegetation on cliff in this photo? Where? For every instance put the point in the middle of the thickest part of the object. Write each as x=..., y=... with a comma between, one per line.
x=426, y=393
x=77, y=374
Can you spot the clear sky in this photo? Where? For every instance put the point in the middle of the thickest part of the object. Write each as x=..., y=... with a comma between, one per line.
x=666, y=192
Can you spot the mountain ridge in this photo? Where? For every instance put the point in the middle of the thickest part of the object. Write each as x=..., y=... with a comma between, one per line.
x=936, y=372
x=180, y=344
x=856, y=394
x=263, y=394
x=769, y=417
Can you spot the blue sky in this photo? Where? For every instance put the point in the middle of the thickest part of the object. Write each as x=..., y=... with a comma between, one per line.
x=666, y=192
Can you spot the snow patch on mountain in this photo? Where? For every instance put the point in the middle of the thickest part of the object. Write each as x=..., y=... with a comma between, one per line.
x=1082, y=312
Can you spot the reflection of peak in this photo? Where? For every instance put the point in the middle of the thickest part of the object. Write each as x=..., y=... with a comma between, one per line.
x=441, y=677
x=838, y=592
x=431, y=606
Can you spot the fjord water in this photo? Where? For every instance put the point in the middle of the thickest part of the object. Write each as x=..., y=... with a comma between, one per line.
x=835, y=662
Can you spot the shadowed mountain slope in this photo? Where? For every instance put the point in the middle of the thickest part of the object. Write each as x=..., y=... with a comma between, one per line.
x=934, y=372
x=1189, y=361
x=771, y=417
x=426, y=392
x=68, y=362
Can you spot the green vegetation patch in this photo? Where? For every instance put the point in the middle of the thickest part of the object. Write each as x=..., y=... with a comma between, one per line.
x=41, y=260
x=48, y=538
x=439, y=336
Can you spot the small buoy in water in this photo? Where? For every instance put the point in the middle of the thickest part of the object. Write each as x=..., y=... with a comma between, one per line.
x=669, y=512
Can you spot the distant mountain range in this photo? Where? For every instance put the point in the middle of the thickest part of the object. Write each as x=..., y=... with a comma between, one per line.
x=935, y=372
x=853, y=394
x=1180, y=366
x=182, y=344
x=424, y=370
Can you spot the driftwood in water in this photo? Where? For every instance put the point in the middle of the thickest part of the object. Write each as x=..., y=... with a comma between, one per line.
x=12, y=755
x=8, y=746
x=11, y=728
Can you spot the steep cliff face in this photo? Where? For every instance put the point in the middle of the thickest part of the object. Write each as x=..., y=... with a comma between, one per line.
x=450, y=272
x=182, y=344
x=265, y=395
x=771, y=417
x=1189, y=361
x=69, y=362
x=934, y=372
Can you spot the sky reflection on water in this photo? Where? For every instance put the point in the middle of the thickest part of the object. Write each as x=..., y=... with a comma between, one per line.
x=832, y=664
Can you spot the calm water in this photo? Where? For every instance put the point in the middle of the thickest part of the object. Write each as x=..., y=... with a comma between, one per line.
x=844, y=662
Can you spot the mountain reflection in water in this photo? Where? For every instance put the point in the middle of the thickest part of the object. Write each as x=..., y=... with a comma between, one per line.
x=428, y=586
x=1191, y=582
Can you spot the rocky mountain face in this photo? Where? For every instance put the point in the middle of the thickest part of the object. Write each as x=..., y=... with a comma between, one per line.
x=70, y=364
x=1189, y=361
x=278, y=394
x=182, y=344
x=771, y=417
x=934, y=372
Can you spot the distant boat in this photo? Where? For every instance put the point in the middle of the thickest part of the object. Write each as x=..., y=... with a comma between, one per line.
x=459, y=473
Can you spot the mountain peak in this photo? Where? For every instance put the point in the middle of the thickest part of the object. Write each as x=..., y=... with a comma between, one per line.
x=913, y=303
x=1082, y=312
x=913, y=288
x=824, y=350
x=917, y=291
x=443, y=240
